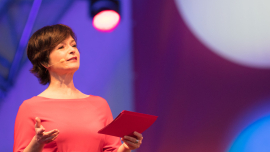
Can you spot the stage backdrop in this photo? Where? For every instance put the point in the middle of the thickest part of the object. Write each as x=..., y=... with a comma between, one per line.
x=205, y=103
x=105, y=68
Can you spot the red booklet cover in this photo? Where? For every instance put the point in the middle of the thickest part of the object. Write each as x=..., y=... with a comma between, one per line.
x=127, y=122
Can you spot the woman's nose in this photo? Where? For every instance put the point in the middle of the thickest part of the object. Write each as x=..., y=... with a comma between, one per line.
x=72, y=50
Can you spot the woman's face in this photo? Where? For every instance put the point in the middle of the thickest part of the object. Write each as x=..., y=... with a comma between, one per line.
x=65, y=57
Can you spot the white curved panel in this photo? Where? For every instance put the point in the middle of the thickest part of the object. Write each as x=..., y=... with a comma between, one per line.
x=237, y=30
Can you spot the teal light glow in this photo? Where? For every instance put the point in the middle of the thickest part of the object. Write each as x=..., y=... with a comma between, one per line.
x=255, y=138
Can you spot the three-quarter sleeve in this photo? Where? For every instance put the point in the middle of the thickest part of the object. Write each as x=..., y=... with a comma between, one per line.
x=24, y=129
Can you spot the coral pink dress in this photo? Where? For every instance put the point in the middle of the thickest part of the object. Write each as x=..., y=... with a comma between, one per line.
x=78, y=121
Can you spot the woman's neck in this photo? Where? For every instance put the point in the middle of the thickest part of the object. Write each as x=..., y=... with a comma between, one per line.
x=61, y=82
x=61, y=86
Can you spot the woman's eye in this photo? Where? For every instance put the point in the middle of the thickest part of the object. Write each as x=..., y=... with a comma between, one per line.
x=60, y=47
x=75, y=45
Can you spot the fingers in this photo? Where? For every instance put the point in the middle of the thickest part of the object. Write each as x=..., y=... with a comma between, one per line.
x=138, y=135
x=39, y=131
x=131, y=142
x=48, y=136
x=51, y=138
x=55, y=136
x=131, y=139
x=50, y=133
x=37, y=125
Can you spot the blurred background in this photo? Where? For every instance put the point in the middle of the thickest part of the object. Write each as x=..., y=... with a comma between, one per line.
x=202, y=67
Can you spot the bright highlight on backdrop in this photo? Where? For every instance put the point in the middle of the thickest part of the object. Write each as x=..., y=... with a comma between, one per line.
x=236, y=30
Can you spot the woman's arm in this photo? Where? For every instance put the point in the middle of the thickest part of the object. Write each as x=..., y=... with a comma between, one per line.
x=34, y=146
x=123, y=149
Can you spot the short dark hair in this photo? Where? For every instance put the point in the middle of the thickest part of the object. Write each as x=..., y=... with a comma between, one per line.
x=41, y=44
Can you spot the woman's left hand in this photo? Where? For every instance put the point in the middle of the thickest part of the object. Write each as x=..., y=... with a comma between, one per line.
x=132, y=143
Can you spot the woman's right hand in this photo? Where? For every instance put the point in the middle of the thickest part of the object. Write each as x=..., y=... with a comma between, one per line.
x=43, y=137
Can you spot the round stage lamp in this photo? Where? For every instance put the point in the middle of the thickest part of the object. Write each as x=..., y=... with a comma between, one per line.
x=106, y=20
x=105, y=14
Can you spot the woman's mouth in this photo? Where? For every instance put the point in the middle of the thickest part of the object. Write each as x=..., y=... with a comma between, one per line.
x=72, y=59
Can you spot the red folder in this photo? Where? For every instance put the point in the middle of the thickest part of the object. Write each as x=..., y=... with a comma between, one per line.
x=127, y=122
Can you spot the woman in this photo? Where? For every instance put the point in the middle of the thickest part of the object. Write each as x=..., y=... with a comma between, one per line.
x=61, y=118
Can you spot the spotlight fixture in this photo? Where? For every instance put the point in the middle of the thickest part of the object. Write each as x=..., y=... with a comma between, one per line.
x=105, y=14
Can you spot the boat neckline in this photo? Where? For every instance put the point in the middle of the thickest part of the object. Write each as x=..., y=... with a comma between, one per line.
x=62, y=99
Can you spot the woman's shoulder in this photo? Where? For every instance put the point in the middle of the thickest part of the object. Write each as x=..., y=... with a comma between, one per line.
x=96, y=97
x=27, y=105
x=29, y=101
x=98, y=100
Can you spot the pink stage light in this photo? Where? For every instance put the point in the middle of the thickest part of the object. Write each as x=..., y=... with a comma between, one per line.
x=106, y=20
